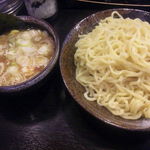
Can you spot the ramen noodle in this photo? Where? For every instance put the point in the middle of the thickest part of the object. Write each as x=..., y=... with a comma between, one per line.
x=23, y=54
x=113, y=64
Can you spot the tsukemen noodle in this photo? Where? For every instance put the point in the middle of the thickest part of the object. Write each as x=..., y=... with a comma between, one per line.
x=113, y=64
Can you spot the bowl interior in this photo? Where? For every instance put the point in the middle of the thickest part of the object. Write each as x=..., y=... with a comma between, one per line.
x=29, y=22
x=68, y=69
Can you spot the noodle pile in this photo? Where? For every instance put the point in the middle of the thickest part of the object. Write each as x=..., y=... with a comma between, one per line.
x=113, y=64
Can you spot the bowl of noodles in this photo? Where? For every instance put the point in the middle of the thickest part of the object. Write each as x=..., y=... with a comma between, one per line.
x=105, y=63
x=28, y=53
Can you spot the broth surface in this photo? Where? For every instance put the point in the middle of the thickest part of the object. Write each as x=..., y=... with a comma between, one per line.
x=23, y=54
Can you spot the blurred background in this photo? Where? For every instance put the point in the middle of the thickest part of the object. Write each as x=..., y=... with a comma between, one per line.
x=48, y=8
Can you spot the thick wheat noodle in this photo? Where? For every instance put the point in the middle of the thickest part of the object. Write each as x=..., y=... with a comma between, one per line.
x=113, y=64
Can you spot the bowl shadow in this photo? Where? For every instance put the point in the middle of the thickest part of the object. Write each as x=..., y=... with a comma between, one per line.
x=91, y=130
x=34, y=106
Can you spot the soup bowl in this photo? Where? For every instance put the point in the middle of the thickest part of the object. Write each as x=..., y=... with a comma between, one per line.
x=28, y=22
x=68, y=70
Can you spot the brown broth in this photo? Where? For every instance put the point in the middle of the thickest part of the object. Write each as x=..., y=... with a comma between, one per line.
x=26, y=53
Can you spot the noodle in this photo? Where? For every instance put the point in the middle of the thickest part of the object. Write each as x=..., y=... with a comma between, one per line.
x=113, y=64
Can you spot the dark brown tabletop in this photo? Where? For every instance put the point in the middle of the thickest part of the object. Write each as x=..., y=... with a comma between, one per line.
x=49, y=119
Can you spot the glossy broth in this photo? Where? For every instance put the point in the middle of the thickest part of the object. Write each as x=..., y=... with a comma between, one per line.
x=23, y=54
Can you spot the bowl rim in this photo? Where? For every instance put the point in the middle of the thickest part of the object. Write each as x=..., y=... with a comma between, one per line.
x=52, y=62
x=105, y=120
